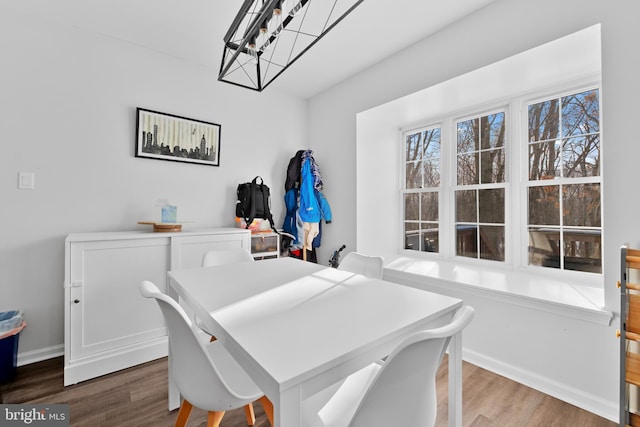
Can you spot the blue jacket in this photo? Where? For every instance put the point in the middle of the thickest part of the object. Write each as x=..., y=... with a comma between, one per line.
x=291, y=204
x=313, y=205
x=292, y=223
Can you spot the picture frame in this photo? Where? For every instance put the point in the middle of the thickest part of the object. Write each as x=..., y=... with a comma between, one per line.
x=174, y=138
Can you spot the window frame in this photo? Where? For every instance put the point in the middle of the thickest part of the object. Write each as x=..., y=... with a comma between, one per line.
x=454, y=186
x=421, y=190
x=525, y=183
x=516, y=183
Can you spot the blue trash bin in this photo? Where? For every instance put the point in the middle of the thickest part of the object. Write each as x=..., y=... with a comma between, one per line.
x=11, y=324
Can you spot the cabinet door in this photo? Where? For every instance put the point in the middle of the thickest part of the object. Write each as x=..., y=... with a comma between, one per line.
x=187, y=251
x=107, y=312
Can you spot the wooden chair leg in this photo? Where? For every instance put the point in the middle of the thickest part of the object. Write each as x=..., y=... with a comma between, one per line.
x=268, y=408
x=214, y=418
x=251, y=415
x=183, y=413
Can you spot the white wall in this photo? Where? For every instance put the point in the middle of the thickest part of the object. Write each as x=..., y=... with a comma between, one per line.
x=68, y=115
x=378, y=213
x=575, y=360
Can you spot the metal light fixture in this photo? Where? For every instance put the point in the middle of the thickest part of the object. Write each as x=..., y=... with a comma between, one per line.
x=267, y=36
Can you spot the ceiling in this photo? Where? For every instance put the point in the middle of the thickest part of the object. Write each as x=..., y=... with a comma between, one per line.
x=192, y=30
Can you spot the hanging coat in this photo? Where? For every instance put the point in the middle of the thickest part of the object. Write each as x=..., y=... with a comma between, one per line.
x=313, y=205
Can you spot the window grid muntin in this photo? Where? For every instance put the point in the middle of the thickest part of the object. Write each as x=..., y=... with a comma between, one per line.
x=423, y=159
x=480, y=183
x=561, y=180
x=560, y=138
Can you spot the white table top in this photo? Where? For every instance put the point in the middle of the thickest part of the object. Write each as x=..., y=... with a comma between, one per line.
x=289, y=321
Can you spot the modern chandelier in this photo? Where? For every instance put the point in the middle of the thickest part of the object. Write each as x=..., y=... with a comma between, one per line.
x=267, y=36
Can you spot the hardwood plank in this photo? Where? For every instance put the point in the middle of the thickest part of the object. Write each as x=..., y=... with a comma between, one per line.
x=482, y=421
x=138, y=397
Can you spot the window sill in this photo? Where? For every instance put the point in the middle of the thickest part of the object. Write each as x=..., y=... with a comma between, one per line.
x=515, y=287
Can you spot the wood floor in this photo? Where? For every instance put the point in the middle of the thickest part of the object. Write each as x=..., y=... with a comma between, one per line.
x=138, y=397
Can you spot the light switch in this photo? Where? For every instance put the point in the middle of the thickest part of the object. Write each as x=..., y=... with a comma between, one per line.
x=26, y=180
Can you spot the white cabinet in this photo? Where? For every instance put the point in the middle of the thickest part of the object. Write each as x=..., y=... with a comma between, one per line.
x=108, y=325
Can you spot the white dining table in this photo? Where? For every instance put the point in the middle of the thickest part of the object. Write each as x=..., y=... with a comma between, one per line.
x=299, y=327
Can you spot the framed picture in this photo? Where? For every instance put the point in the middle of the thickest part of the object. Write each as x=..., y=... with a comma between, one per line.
x=180, y=139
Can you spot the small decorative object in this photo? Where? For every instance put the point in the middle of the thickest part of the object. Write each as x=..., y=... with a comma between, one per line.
x=165, y=217
x=160, y=227
x=163, y=211
x=168, y=137
x=257, y=225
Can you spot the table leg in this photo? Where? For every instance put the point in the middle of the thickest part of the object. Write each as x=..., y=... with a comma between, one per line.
x=286, y=412
x=455, y=381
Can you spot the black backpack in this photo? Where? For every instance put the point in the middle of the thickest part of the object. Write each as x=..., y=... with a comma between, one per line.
x=254, y=202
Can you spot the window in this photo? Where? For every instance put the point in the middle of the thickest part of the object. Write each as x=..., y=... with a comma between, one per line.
x=422, y=182
x=472, y=208
x=480, y=191
x=564, y=196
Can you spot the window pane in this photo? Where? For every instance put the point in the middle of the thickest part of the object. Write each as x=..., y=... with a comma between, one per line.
x=412, y=236
x=565, y=221
x=429, y=206
x=491, y=206
x=413, y=147
x=544, y=205
x=422, y=166
x=430, y=238
x=492, y=242
x=544, y=247
x=468, y=169
x=581, y=156
x=467, y=241
x=580, y=113
x=468, y=136
x=543, y=121
x=493, y=166
x=581, y=205
x=431, y=173
x=412, y=207
x=414, y=177
x=432, y=143
x=466, y=208
x=492, y=135
x=544, y=160
x=582, y=250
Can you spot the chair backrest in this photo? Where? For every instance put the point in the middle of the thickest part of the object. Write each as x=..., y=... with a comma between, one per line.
x=226, y=256
x=194, y=371
x=370, y=266
x=405, y=386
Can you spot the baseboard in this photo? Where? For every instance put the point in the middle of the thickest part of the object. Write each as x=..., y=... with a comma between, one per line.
x=589, y=402
x=33, y=356
x=95, y=365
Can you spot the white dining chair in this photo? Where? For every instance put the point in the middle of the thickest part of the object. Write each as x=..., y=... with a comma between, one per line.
x=220, y=257
x=370, y=266
x=207, y=376
x=398, y=392
x=226, y=256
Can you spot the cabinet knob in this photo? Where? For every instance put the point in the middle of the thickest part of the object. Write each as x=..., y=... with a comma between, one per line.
x=76, y=300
